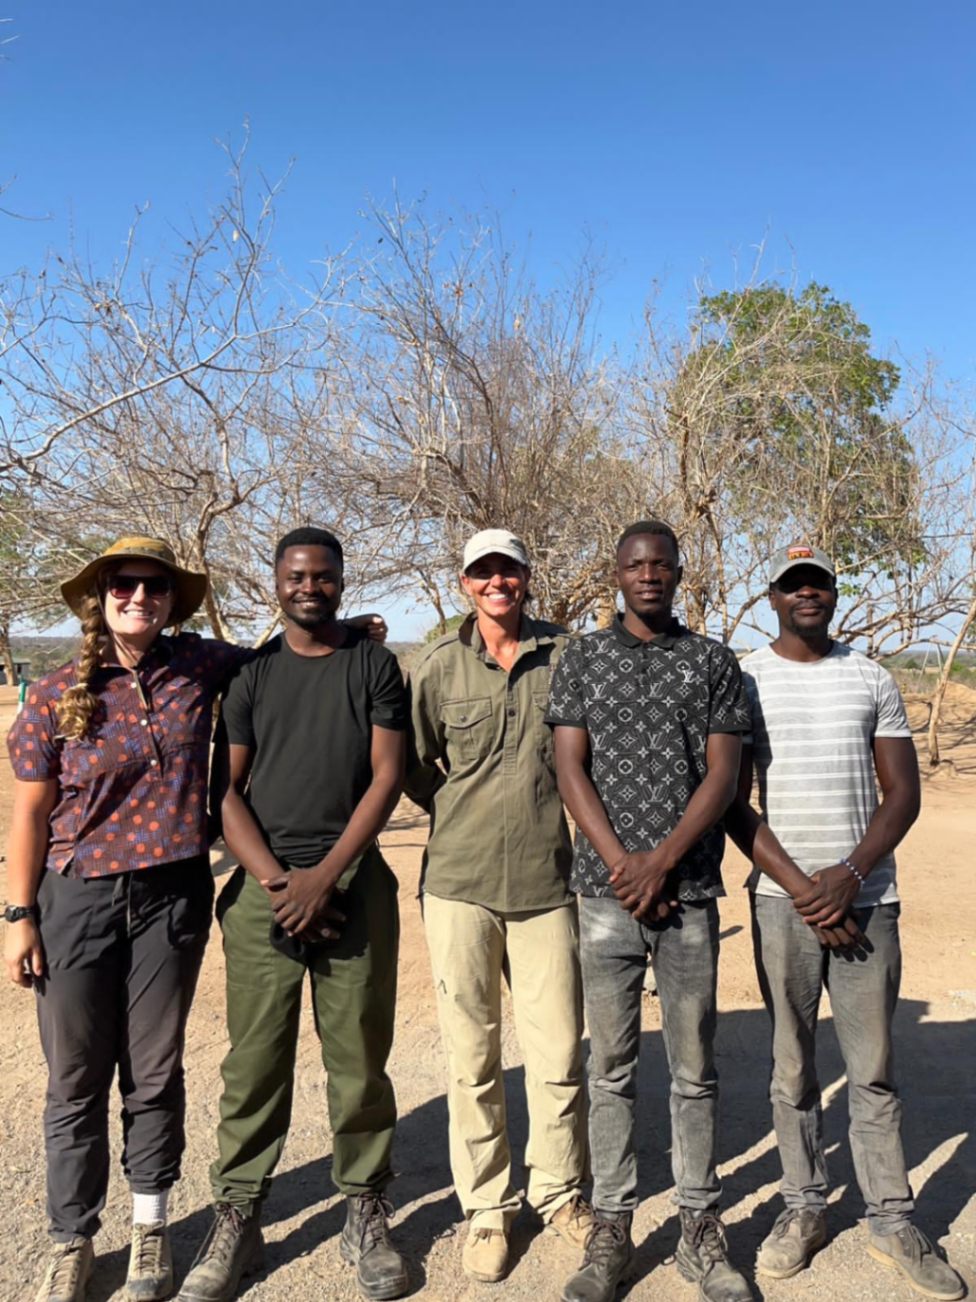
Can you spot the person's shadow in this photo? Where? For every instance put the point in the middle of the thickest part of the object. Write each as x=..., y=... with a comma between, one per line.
x=936, y=1084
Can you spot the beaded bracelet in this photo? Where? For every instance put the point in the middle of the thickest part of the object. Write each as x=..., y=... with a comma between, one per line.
x=850, y=867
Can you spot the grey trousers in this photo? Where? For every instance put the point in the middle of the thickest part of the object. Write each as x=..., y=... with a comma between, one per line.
x=122, y=957
x=613, y=955
x=793, y=970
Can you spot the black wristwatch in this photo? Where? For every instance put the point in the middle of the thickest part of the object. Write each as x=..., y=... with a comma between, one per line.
x=17, y=912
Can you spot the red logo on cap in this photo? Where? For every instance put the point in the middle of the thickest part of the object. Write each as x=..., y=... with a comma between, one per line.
x=799, y=553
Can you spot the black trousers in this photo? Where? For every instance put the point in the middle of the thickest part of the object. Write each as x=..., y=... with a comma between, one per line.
x=122, y=957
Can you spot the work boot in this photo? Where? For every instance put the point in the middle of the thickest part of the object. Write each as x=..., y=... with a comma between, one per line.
x=150, y=1263
x=380, y=1270
x=796, y=1235
x=702, y=1256
x=919, y=1260
x=573, y=1221
x=67, y=1271
x=232, y=1249
x=606, y=1260
x=485, y=1254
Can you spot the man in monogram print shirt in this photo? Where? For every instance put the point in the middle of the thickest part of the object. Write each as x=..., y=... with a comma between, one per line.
x=648, y=720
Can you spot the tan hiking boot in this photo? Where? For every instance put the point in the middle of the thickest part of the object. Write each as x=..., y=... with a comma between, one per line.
x=796, y=1235
x=573, y=1221
x=67, y=1272
x=150, y=1275
x=914, y=1256
x=485, y=1255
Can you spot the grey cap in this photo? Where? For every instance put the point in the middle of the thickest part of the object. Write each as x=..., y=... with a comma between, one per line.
x=788, y=558
x=489, y=541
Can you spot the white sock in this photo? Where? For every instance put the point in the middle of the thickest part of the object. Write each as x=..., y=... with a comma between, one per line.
x=149, y=1209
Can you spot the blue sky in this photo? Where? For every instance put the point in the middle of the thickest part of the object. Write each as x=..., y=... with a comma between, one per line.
x=675, y=138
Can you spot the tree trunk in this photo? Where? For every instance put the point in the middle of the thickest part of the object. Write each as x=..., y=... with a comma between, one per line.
x=938, y=696
x=7, y=655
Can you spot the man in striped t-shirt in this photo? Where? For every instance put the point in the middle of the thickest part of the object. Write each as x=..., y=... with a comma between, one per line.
x=828, y=728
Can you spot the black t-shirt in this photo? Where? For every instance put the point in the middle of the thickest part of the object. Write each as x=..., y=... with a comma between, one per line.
x=309, y=720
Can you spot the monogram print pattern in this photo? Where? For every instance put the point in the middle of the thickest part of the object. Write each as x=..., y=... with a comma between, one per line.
x=134, y=791
x=649, y=708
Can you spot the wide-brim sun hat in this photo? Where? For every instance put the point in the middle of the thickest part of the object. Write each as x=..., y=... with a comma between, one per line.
x=189, y=586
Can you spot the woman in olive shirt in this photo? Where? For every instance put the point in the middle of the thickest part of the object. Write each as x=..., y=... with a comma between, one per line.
x=496, y=902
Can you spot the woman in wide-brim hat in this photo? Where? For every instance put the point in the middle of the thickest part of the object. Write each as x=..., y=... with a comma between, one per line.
x=110, y=891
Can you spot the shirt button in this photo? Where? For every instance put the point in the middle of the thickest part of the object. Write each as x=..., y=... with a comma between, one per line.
x=143, y=723
x=512, y=712
x=152, y=763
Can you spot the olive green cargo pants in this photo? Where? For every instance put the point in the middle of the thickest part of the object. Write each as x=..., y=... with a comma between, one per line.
x=354, y=1000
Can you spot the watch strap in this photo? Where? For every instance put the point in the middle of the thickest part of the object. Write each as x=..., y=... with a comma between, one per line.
x=17, y=912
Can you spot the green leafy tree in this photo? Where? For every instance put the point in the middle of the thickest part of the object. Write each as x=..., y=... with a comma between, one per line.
x=782, y=425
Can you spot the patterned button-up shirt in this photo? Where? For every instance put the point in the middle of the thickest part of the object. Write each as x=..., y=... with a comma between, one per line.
x=133, y=792
x=649, y=708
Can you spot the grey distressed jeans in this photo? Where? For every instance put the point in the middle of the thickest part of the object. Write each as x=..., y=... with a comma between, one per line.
x=613, y=954
x=793, y=970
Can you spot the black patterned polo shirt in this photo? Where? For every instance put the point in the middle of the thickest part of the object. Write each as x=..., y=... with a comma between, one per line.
x=649, y=708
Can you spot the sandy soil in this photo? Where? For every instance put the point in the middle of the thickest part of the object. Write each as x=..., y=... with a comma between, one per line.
x=936, y=1051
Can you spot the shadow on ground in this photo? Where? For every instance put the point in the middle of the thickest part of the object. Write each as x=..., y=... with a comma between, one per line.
x=936, y=1085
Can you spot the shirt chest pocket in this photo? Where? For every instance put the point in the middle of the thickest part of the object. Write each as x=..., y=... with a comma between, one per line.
x=468, y=729
x=541, y=731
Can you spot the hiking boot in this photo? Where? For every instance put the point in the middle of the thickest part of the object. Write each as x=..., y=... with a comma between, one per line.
x=702, y=1256
x=796, y=1235
x=150, y=1275
x=485, y=1254
x=573, y=1221
x=232, y=1249
x=919, y=1260
x=606, y=1260
x=380, y=1270
x=67, y=1271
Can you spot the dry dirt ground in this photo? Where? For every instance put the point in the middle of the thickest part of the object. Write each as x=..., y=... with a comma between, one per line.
x=937, y=1065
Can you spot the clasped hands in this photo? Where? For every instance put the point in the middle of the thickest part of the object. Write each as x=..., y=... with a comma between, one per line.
x=302, y=903
x=639, y=881
x=825, y=905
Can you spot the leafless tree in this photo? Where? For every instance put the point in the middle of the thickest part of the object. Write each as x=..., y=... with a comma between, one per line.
x=481, y=401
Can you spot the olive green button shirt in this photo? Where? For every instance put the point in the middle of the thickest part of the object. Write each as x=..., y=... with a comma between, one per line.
x=482, y=765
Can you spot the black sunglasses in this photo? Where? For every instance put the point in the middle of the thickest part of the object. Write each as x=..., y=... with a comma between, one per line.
x=153, y=585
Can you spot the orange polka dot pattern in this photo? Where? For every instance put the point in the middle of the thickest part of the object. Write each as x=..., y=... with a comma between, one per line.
x=134, y=792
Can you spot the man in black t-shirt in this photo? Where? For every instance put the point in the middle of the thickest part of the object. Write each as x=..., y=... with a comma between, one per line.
x=648, y=719
x=309, y=769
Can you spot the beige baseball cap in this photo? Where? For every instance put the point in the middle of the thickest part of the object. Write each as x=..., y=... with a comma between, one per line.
x=499, y=541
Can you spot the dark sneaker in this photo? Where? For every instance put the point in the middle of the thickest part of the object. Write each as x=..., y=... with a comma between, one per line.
x=67, y=1271
x=150, y=1275
x=365, y=1244
x=796, y=1235
x=607, y=1257
x=702, y=1256
x=232, y=1249
x=920, y=1261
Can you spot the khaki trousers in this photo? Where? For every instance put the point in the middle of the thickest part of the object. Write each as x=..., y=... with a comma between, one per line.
x=471, y=949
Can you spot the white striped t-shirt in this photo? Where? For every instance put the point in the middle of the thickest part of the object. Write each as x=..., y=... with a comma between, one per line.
x=813, y=725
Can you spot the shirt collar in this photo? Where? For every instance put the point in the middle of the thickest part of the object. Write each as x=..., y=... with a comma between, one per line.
x=531, y=634
x=666, y=640
x=160, y=653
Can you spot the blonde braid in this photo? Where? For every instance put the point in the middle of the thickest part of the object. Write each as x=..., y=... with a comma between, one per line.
x=77, y=706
